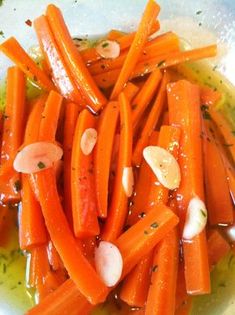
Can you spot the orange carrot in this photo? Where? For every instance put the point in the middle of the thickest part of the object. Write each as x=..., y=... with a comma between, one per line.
x=218, y=247
x=209, y=96
x=184, y=112
x=84, y=203
x=181, y=295
x=60, y=74
x=50, y=117
x=103, y=152
x=151, y=122
x=219, y=203
x=143, y=98
x=71, y=115
x=130, y=90
x=185, y=308
x=12, y=49
x=107, y=79
x=12, y=131
x=133, y=245
x=53, y=257
x=114, y=34
x=79, y=269
x=149, y=15
x=73, y=60
x=118, y=208
x=231, y=182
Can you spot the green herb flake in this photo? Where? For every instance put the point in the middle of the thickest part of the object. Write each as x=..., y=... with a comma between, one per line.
x=203, y=213
x=41, y=165
x=200, y=24
x=2, y=34
x=104, y=45
x=154, y=268
x=215, y=67
x=154, y=225
x=17, y=186
x=198, y=12
x=205, y=114
x=161, y=63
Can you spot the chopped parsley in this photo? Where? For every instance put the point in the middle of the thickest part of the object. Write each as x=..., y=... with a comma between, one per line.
x=198, y=12
x=104, y=45
x=161, y=63
x=41, y=165
x=154, y=225
x=203, y=213
x=2, y=34
x=205, y=114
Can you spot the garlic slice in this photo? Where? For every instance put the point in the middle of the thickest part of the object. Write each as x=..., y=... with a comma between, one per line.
x=108, y=263
x=128, y=181
x=108, y=49
x=196, y=218
x=164, y=166
x=36, y=157
x=88, y=141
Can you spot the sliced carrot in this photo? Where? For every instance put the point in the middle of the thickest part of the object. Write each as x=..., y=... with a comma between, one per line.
x=79, y=269
x=218, y=247
x=103, y=153
x=209, y=96
x=12, y=49
x=50, y=117
x=165, y=118
x=231, y=182
x=53, y=257
x=12, y=136
x=114, y=34
x=185, y=308
x=181, y=295
x=219, y=203
x=84, y=203
x=143, y=98
x=3, y=214
x=118, y=207
x=151, y=121
x=150, y=13
x=73, y=60
x=70, y=119
x=130, y=90
x=60, y=73
x=184, y=112
x=107, y=79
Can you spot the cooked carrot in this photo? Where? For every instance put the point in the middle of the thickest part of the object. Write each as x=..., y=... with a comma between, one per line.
x=136, y=285
x=84, y=81
x=50, y=117
x=185, y=308
x=79, y=269
x=39, y=265
x=133, y=244
x=60, y=73
x=161, y=294
x=151, y=121
x=143, y=98
x=141, y=200
x=107, y=79
x=150, y=13
x=165, y=118
x=158, y=46
x=118, y=207
x=70, y=119
x=224, y=128
x=181, y=295
x=12, y=49
x=114, y=34
x=103, y=153
x=184, y=112
x=3, y=213
x=218, y=200
x=12, y=136
x=130, y=90
x=218, y=247
x=209, y=96
x=53, y=257
x=84, y=203
x=231, y=182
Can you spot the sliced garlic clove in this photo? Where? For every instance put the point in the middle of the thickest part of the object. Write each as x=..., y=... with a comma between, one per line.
x=164, y=166
x=108, y=263
x=36, y=157
x=108, y=49
x=196, y=218
x=88, y=141
x=128, y=181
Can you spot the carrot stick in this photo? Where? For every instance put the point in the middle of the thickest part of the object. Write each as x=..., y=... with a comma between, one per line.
x=50, y=117
x=151, y=121
x=150, y=13
x=103, y=153
x=12, y=131
x=181, y=295
x=118, y=207
x=73, y=60
x=60, y=73
x=107, y=79
x=218, y=247
x=71, y=115
x=143, y=98
x=130, y=90
x=115, y=34
x=209, y=96
x=12, y=49
x=84, y=203
x=184, y=112
x=133, y=244
x=185, y=309
x=231, y=182
x=79, y=269
x=219, y=203
x=158, y=46
x=53, y=257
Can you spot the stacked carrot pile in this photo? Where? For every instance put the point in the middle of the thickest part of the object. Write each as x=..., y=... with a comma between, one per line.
x=132, y=134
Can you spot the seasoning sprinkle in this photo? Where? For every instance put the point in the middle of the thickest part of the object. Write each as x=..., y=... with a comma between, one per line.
x=41, y=165
x=154, y=225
